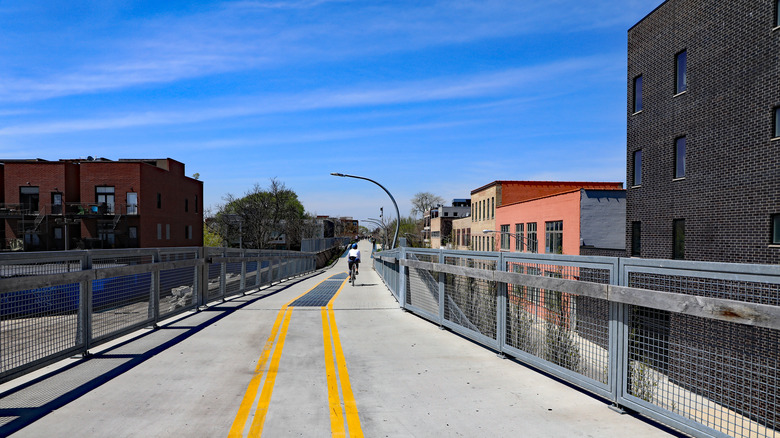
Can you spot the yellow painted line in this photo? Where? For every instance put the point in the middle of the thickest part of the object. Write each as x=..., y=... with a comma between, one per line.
x=268, y=386
x=350, y=407
x=334, y=402
x=239, y=424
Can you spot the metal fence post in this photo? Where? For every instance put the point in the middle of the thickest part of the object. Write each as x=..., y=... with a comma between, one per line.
x=442, y=290
x=223, y=276
x=618, y=339
x=84, y=324
x=401, y=277
x=242, y=284
x=501, y=304
x=154, y=293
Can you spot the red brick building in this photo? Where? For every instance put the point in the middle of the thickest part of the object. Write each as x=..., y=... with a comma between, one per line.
x=98, y=203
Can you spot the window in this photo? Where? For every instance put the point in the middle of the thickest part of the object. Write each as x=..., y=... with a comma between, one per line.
x=679, y=158
x=637, y=168
x=188, y=232
x=638, y=94
x=167, y=231
x=776, y=229
x=186, y=205
x=533, y=243
x=159, y=231
x=104, y=196
x=678, y=239
x=58, y=233
x=132, y=232
x=159, y=200
x=492, y=208
x=518, y=237
x=776, y=124
x=505, y=237
x=553, y=237
x=777, y=13
x=28, y=197
x=132, y=203
x=681, y=72
x=636, y=239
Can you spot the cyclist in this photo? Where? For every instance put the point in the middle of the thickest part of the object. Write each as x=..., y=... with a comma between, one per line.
x=354, y=257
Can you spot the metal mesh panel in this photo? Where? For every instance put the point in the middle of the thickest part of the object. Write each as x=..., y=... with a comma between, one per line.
x=265, y=272
x=561, y=328
x=37, y=323
x=719, y=374
x=422, y=287
x=120, y=302
x=471, y=302
x=178, y=255
x=215, y=275
x=27, y=268
x=232, y=278
x=251, y=274
x=723, y=375
x=113, y=261
x=177, y=288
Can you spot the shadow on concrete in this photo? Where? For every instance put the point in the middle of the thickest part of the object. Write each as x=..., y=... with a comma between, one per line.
x=31, y=401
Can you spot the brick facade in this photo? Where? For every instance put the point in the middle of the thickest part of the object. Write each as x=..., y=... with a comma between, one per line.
x=96, y=201
x=731, y=186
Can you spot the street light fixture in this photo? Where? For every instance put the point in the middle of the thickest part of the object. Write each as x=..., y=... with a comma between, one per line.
x=398, y=215
x=527, y=243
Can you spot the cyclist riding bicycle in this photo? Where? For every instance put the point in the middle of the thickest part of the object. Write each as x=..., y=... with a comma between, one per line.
x=354, y=257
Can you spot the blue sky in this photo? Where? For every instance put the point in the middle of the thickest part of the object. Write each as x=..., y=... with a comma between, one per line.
x=438, y=96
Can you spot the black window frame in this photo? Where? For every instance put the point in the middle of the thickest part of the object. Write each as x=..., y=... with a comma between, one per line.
x=636, y=239
x=681, y=83
x=637, y=102
x=678, y=174
x=159, y=200
x=533, y=239
x=553, y=237
x=776, y=119
x=777, y=14
x=774, y=232
x=678, y=239
x=637, y=162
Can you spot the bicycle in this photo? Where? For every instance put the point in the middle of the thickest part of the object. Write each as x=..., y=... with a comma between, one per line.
x=352, y=270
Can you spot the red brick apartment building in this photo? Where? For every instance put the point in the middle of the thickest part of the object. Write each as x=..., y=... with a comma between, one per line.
x=98, y=203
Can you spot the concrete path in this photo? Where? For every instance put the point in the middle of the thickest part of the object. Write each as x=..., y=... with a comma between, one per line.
x=362, y=368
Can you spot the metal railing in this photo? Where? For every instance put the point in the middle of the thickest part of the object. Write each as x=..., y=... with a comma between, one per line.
x=693, y=345
x=56, y=304
x=318, y=245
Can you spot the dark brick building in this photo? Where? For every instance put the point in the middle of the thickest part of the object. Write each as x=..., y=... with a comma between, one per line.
x=703, y=155
x=98, y=203
x=703, y=144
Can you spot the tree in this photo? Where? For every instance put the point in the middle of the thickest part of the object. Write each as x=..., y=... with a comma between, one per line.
x=424, y=201
x=262, y=218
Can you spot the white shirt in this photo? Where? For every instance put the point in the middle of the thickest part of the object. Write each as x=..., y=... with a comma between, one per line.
x=354, y=252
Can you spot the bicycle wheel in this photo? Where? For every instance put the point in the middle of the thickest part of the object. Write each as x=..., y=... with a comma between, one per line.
x=352, y=274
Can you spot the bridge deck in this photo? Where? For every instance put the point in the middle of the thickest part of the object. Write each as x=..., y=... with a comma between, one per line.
x=259, y=364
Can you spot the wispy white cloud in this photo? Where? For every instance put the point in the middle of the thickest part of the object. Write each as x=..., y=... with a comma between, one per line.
x=514, y=81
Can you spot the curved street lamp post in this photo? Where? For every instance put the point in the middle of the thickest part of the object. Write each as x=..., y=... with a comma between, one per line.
x=398, y=215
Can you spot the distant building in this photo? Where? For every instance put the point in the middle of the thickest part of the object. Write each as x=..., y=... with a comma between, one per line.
x=437, y=230
x=486, y=199
x=577, y=221
x=98, y=203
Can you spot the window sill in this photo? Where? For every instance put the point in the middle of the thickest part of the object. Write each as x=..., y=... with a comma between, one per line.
x=680, y=93
x=775, y=29
x=678, y=179
x=636, y=187
x=774, y=245
x=638, y=112
x=774, y=139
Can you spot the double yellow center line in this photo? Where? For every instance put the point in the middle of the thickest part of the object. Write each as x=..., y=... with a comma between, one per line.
x=335, y=370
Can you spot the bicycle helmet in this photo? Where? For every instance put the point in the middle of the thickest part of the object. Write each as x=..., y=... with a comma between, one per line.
x=354, y=246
